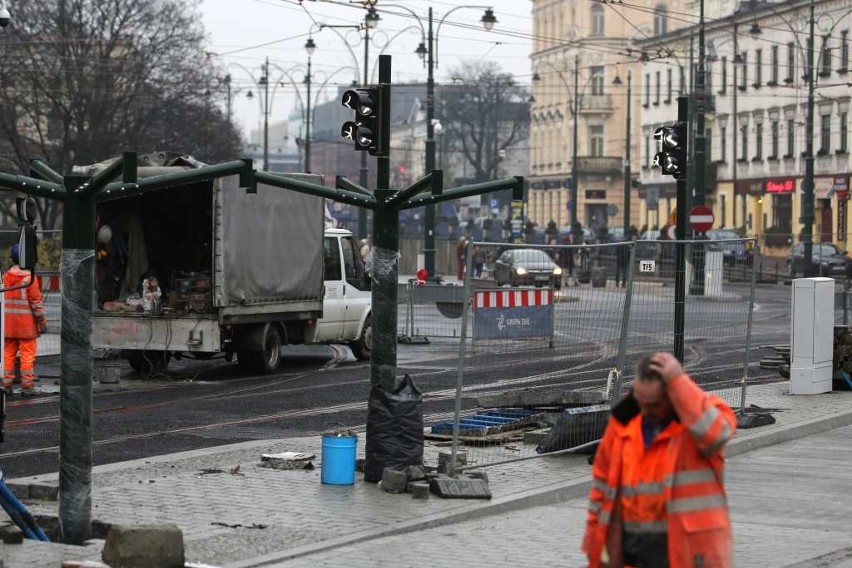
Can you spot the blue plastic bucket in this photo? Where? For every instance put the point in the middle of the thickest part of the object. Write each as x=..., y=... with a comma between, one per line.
x=338, y=459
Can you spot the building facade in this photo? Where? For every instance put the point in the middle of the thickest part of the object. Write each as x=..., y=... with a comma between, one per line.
x=758, y=87
x=585, y=47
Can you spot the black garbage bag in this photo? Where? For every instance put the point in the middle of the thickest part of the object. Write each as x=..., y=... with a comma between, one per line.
x=394, y=429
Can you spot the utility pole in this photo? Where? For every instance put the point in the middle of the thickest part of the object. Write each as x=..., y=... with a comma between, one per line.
x=574, y=171
x=228, y=87
x=700, y=160
x=627, y=175
x=265, y=80
x=808, y=187
x=429, y=217
x=308, y=120
x=736, y=133
x=362, y=173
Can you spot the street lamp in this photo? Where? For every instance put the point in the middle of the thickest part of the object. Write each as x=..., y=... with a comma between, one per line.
x=428, y=51
x=627, y=174
x=310, y=47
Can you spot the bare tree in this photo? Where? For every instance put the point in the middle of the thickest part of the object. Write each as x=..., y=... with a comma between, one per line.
x=484, y=113
x=84, y=80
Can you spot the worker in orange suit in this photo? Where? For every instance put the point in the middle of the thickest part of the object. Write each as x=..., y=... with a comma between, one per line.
x=657, y=499
x=25, y=321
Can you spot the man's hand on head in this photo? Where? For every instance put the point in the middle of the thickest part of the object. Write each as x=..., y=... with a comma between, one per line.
x=666, y=365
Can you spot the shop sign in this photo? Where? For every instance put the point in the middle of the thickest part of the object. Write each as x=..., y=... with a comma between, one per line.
x=841, y=219
x=826, y=187
x=749, y=187
x=595, y=194
x=780, y=185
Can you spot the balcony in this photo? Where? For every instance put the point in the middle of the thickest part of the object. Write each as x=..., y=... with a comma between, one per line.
x=600, y=164
x=596, y=103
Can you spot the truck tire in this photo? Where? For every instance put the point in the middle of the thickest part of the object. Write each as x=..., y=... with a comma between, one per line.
x=363, y=347
x=146, y=362
x=266, y=360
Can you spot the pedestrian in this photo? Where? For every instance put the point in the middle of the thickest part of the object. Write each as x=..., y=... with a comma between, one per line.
x=461, y=252
x=478, y=261
x=622, y=258
x=367, y=256
x=657, y=498
x=25, y=322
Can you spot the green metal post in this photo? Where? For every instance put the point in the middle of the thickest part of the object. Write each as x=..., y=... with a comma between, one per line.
x=77, y=266
x=680, y=258
x=429, y=216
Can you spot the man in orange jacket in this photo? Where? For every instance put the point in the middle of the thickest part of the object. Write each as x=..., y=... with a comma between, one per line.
x=657, y=498
x=25, y=321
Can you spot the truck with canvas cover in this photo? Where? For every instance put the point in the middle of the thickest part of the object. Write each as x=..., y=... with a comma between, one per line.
x=208, y=268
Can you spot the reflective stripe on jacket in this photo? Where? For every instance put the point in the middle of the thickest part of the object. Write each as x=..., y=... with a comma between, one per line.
x=24, y=310
x=689, y=478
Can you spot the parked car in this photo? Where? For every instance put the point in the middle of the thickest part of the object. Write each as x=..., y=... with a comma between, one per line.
x=530, y=267
x=735, y=251
x=827, y=260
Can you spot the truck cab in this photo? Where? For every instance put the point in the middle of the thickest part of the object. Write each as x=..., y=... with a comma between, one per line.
x=346, y=314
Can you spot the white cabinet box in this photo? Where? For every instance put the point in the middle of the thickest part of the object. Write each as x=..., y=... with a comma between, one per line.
x=812, y=336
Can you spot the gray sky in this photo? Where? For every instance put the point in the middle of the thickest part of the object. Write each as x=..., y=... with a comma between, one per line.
x=245, y=32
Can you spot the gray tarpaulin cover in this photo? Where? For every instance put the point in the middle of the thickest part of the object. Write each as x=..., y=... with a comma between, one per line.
x=272, y=244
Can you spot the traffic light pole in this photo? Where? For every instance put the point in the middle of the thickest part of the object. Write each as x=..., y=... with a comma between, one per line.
x=808, y=185
x=680, y=257
x=429, y=219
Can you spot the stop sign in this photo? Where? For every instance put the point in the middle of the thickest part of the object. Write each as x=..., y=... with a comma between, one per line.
x=701, y=218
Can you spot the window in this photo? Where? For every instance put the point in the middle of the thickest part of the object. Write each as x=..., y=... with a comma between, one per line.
x=723, y=209
x=708, y=133
x=647, y=151
x=791, y=62
x=596, y=140
x=723, y=143
x=682, y=91
x=758, y=68
x=844, y=133
x=744, y=142
x=331, y=259
x=791, y=138
x=824, y=134
x=782, y=210
x=657, y=98
x=758, y=142
x=774, y=141
x=825, y=57
x=647, y=90
x=810, y=46
x=660, y=20
x=597, y=19
x=597, y=80
x=355, y=271
x=724, y=88
x=708, y=76
x=744, y=72
x=669, y=77
x=773, y=73
x=844, y=51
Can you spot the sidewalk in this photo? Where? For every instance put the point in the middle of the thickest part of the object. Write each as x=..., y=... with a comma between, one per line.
x=313, y=523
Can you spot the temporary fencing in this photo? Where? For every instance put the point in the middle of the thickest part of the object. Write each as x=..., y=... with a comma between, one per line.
x=552, y=334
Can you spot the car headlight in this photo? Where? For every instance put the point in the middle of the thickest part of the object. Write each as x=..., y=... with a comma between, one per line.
x=557, y=271
x=520, y=271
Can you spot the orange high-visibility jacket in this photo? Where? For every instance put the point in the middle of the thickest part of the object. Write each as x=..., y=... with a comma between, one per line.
x=24, y=309
x=688, y=479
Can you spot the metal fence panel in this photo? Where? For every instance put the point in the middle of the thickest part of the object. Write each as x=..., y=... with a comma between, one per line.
x=519, y=398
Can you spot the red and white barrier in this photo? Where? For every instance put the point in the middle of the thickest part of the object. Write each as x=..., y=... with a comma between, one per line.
x=514, y=298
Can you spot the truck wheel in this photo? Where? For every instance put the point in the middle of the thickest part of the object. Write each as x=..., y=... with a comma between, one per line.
x=363, y=347
x=267, y=360
x=146, y=362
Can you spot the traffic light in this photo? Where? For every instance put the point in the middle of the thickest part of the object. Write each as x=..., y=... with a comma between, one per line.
x=370, y=128
x=27, y=240
x=671, y=143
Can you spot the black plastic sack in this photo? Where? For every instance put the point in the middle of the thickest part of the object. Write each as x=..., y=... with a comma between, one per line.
x=394, y=429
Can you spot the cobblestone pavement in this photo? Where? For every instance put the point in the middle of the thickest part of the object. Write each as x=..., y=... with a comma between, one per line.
x=789, y=503
x=196, y=491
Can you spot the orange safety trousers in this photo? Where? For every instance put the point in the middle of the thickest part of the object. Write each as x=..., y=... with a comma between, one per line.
x=27, y=347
